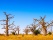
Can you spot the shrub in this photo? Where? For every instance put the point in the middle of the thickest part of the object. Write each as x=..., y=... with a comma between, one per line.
x=13, y=33
x=36, y=32
x=49, y=33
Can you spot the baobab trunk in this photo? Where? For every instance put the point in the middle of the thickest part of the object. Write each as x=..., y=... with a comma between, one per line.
x=44, y=31
x=7, y=26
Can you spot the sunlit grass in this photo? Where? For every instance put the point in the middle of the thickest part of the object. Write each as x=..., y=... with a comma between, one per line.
x=26, y=37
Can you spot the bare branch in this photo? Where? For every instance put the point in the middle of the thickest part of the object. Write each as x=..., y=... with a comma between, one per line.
x=50, y=24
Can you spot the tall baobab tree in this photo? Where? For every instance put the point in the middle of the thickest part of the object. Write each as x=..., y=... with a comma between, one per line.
x=7, y=25
x=44, y=24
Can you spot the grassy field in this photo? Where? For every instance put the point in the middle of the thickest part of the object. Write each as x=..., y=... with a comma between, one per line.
x=26, y=37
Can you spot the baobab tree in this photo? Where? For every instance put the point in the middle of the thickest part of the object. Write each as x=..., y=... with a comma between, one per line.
x=15, y=28
x=26, y=30
x=44, y=24
x=13, y=31
x=33, y=26
x=7, y=25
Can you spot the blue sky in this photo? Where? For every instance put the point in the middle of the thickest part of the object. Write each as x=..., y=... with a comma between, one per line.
x=25, y=10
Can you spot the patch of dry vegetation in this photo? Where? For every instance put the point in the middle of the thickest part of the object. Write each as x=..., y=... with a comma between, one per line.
x=27, y=37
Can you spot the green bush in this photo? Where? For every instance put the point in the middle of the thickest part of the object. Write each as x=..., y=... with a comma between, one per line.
x=49, y=33
x=36, y=32
x=13, y=33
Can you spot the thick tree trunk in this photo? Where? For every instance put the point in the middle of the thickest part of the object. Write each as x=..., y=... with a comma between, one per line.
x=44, y=31
x=7, y=26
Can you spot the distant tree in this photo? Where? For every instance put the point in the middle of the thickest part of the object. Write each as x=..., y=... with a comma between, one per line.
x=33, y=27
x=26, y=30
x=17, y=29
x=13, y=31
x=44, y=24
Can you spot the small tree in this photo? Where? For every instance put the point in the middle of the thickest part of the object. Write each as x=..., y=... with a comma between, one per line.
x=17, y=29
x=26, y=30
x=33, y=27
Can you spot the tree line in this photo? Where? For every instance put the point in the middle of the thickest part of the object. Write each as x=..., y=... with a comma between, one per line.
x=36, y=27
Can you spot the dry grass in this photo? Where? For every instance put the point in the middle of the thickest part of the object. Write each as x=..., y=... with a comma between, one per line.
x=26, y=37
